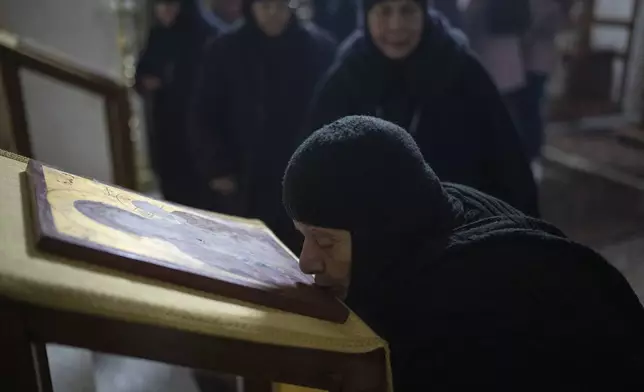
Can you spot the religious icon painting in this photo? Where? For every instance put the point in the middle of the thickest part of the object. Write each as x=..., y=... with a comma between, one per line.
x=119, y=229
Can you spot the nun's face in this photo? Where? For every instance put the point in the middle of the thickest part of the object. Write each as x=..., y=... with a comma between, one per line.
x=326, y=253
x=272, y=16
x=166, y=12
x=396, y=27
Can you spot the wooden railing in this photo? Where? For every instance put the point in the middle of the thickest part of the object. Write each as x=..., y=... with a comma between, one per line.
x=16, y=55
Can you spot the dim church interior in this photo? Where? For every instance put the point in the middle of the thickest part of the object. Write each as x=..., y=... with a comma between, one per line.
x=593, y=199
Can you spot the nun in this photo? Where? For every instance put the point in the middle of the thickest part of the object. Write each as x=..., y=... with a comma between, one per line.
x=408, y=66
x=165, y=77
x=251, y=105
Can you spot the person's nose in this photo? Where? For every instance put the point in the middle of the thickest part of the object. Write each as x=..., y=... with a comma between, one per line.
x=273, y=8
x=396, y=22
x=311, y=260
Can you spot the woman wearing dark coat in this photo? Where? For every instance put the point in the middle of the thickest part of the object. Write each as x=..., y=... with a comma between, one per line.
x=470, y=293
x=165, y=78
x=409, y=67
x=257, y=84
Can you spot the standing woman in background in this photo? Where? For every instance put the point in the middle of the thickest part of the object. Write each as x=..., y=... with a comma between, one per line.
x=165, y=76
x=495, y=29
x=250, y=107
x=408, y=67
x=515, y=40
x=549, y=17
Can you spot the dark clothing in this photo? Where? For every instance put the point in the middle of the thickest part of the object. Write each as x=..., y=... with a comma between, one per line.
x=445, y=99
x=173, y=55
x=508, y=17
x=321, y=180
x=250, y=109
x=503, y=301
x=526, y=107
x=338, y=17
x=470, y=293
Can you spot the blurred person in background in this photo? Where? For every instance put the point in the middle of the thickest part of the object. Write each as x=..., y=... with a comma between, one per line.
x=495, y=29
x=165, y=78
x=409, y=67
x=250, y=108
x=549, y=17
x=515, y=40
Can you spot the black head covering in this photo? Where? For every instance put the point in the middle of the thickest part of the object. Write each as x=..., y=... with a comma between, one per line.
x=364, y=6
x=368, y=4
x=246, y=9
x=413, y=80
x=367, y=176
x=363, y=174
x=251, y=23
x=189, y=18
x=181, y=40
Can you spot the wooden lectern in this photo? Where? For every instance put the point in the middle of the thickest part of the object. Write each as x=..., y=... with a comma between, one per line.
x=50, y=299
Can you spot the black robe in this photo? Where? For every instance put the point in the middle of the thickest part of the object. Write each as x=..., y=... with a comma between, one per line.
x=250, y=109
x=441, y=95
x=501, y=302
x=470, y=293
x=173, y=55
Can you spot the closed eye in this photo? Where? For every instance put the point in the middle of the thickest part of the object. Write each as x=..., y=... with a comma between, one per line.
x=326, y=246
x=325, y=242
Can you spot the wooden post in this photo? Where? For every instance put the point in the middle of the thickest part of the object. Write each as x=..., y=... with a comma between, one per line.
x=585, y=26
x=250, y=384
x=18, y=370
x=119, y=114
x=6, y=133
x=42, y=366
x=628, y=56
x=15, y=102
